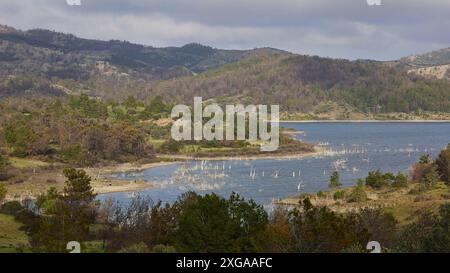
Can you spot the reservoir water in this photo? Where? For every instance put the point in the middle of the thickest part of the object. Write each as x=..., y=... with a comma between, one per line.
x=353, y=148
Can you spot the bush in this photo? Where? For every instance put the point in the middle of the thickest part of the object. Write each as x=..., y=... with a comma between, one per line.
x=425, y=159
x=73, y=154
x=172, y=146
x=320, y=194
x=419, y=170
x=358, y=194
x=11, y=208
x=378, y=180
x=137, y=248
x=3, y=192
x=3, y=162
x=431, y=178
x=214, y=224
x=334, y=180
x=400, y=181
x=429, y=234
x=163, y=249
x=375, y=180
x=339, y=195
x=380, y=224
x=443, y=165
x=318, y=230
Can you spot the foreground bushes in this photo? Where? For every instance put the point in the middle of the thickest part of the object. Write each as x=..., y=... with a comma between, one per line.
x=214, y=224
x=210, y=223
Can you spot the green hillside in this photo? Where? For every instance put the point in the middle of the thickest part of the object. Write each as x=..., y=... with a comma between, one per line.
x=45, y=63
x=302, y=83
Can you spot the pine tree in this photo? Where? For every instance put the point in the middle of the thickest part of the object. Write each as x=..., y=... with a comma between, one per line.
x=70, y=216
x=2, y=192
x=335, y=180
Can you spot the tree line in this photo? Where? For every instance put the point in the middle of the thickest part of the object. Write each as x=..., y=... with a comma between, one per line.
x=211, y=223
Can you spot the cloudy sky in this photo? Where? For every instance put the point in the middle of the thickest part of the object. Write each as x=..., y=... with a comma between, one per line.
x=335, y=28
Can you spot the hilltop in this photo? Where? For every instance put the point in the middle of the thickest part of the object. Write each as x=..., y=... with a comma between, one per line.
x=435, y=64
x=109, y=69
x=45, y=63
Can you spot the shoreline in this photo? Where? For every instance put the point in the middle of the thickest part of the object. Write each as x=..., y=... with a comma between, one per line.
x=128, y=167
x=118, y=186
x=103, y=184
x=101, y=181
x=138, y=185
x=318, y=151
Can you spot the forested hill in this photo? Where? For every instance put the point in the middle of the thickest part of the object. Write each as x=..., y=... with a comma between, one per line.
x=438, y=57
x=305, y=83
x=435, y=64
x=42, y=62
x=59, y=46
x=110, y=69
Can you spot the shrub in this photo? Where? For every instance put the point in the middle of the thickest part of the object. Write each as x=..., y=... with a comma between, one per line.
x=378, y=180
x=73, y=154
x=334, y=180
x=321, y=194
x=400, y=181
x=3, y=192
x=3, y=162
x=431, y=178
x=339, y=195
x=358, y=194
x=318, y=229
x=172, y=146
x=136, y=248
x=420, y=170
x=425, y=159
x=443, y=165
x=163, y=249
x=11, y=208
x=375, y=180
x=214, y=224
x=380, y=224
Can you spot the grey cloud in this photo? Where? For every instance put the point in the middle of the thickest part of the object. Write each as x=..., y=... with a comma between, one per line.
x=335, y=28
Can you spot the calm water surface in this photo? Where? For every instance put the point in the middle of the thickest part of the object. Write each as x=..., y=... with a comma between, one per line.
x=354, y=148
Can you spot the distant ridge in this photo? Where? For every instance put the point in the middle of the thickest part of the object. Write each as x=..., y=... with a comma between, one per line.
x=48, y=63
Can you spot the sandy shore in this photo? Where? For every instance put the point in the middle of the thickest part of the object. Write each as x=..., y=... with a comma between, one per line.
x=126, y=167
x=102, y=182
x=103, y=187
x=319, y=151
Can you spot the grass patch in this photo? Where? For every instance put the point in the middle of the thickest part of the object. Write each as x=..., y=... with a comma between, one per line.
x=26, y=163
x=10, y=235
x=156, y=143
x=219, y=149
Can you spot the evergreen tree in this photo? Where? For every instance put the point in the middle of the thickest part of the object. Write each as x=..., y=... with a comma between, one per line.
x=400, y=181
x=425, y=159
x=69, y=217
x=335, y=180
x=3, y=164
x=3, y=192
x=431, y=178
x=358, y=194
x=443, y=165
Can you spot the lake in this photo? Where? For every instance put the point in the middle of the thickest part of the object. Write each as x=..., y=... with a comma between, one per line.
x=353, y=148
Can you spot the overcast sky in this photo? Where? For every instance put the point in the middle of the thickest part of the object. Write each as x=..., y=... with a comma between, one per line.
x=335, y=28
